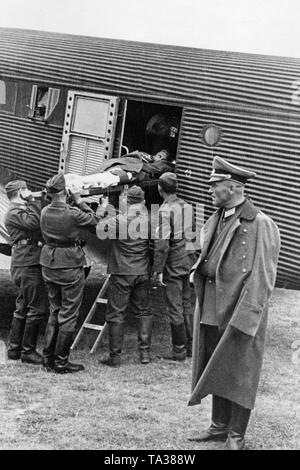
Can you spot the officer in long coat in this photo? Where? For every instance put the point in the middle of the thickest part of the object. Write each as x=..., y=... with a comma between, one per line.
x=233, y=279
x=129, y=269
x=63, y=261
x=22, y=222
x=172, y=262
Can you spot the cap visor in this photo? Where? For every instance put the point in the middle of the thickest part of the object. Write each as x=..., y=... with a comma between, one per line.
x=215, y=178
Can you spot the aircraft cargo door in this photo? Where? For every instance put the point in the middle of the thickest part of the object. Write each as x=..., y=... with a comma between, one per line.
x=88, y=135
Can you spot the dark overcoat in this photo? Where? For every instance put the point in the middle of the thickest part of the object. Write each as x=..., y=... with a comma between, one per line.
x=245, y=277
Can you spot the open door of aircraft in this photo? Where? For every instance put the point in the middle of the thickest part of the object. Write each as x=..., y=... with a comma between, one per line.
x=88, y=134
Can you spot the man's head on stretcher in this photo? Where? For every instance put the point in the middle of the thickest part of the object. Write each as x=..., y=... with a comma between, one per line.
x=161, y=155
x=118, y=172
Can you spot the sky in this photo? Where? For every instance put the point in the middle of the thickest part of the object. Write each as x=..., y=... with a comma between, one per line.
x=256, y=26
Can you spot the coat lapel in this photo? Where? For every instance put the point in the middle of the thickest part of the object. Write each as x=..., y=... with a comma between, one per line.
x=209, y=230
x=235, y=225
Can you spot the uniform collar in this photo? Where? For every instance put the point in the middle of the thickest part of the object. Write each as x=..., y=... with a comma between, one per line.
x=170, y=197
x=58, y=204
x=248, y=210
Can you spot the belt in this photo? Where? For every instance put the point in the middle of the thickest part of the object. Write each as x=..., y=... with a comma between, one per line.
x=68, y=244
x=28, y=242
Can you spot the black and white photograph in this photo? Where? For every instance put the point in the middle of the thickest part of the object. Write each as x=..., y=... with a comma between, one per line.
x=149, y=228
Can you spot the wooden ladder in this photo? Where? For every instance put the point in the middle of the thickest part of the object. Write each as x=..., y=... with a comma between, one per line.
x=87, y=324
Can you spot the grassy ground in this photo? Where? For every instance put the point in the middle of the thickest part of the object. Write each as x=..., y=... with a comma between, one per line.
x=136, y=406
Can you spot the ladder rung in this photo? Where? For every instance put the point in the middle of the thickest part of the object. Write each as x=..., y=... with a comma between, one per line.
x=93, y=327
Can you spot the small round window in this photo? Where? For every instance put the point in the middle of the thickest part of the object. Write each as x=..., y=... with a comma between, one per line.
x=211, y=135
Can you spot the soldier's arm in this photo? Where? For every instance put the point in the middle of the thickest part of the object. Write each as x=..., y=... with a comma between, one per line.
x=84, y=207
x=108, y=227
x=79, y=202
x=162, y=242
x=27, y=217
x=84, y=219
x=108, y=220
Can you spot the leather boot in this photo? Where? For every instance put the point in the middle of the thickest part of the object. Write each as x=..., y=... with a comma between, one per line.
x=188, y=322
x=144, y=338
x=237, y=428
x=15, y=338
x=221, y=414
x=50, y=342
x=116, y=338
x=62, y=351
x=179, y=342
x=29, y=353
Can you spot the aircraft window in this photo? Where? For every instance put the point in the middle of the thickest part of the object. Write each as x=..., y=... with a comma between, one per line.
x=43, y=102
x=90, y=117
x=8, y=94
x=211, y=135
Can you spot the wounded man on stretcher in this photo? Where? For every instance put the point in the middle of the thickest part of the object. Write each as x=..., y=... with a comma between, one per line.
x=136, y=166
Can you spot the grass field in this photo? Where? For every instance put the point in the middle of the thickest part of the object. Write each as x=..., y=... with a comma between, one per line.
x=138, y=406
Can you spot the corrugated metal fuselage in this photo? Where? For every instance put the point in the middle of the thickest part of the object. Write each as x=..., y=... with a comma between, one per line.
x=252, y=99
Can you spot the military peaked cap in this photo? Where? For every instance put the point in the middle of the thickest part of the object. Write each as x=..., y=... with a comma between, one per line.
x=14, y=186
x=223, y=170
x=56, y=184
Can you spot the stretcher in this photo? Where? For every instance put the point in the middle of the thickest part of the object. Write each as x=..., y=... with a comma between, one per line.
x=96, y=250
x=98, y=190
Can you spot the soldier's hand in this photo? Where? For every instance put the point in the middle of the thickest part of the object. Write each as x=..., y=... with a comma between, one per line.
x=75, y=196
x=157, y=280
x=102, y=207
x=45, y=197
x=153, y=282
x=27, y=195
x=160, y=279
x=103, y=201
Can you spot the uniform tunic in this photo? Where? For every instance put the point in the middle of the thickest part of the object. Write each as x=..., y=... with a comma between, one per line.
x=172, y=255
x=60, y=224
x=22, y=222
x=62, y=260
x=128, y=262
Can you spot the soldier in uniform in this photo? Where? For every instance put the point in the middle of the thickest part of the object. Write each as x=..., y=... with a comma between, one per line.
x=22, y=222
x=63, y=261
x=233, y=279
x=172, y=262
x=129, y=269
